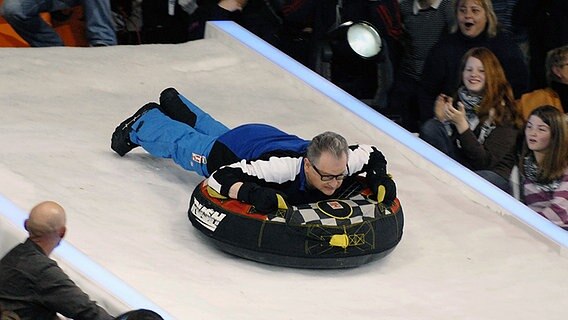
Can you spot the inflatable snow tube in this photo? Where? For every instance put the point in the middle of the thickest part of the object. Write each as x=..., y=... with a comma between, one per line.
x=337, y=233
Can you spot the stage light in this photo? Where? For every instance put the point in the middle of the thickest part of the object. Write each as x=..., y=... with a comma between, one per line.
x=349, y=58
x=359, y=38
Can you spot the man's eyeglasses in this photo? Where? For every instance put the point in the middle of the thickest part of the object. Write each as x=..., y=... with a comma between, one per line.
x=329, y=177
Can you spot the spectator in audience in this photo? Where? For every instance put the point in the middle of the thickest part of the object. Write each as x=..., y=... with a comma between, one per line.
x=547, y=27
x=33, y=286
x=212, y=11
x=476, y=27
x=424, y=21
x=24, y=17
x=481, y=130
x=504, y=13
x=544, y=164
x=556, y=94
x=265, y=19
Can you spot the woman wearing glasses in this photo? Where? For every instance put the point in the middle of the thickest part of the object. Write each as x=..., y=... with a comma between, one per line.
x=255, y=163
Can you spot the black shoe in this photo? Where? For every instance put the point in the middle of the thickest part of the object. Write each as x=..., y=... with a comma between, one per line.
x=173, y=107
x=120, y=141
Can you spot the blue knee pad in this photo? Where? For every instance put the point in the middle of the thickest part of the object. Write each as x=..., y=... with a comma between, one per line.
x=166, y=138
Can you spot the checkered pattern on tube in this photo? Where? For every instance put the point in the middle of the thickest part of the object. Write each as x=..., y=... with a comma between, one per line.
x=311, y=214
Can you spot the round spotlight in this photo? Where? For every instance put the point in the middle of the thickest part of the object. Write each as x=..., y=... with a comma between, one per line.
x=364, y=39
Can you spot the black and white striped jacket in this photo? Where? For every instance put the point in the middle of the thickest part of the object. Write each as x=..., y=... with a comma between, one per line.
x=279, y=164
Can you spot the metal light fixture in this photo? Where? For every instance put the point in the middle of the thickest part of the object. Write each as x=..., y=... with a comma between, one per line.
x=349, y=56
x=363, y=38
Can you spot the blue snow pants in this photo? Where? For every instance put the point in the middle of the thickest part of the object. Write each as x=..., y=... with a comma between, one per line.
x=187, y=146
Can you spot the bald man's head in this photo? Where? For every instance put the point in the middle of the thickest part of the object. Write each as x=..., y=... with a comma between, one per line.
x=46, y=218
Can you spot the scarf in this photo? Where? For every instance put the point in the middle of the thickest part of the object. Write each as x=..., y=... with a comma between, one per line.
x=471, y=104
x=532, y=171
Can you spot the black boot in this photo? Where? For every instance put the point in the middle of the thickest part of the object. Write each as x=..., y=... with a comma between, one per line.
x=174, y=108
x=120, y=141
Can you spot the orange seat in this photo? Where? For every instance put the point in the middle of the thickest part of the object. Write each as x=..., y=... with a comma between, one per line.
x=71, y=31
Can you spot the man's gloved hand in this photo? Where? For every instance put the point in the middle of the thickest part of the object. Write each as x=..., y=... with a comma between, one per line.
x=377, y=165
x=265, y=200
x=383, y=187
x=379, y=180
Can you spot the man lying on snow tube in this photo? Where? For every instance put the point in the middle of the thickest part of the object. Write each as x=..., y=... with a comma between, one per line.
x=254, y=163
x=335, y=233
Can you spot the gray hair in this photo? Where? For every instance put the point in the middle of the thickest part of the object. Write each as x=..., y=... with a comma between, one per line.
x=327, y=142
x=555, y=58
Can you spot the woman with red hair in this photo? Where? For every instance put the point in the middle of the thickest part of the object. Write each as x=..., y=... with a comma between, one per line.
x=480, y=129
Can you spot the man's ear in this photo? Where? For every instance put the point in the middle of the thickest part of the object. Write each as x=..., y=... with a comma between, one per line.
x=556, y=71
x=62, y=232
x=26, y=225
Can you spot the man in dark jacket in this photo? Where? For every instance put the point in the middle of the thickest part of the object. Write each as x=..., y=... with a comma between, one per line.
x=32, y=285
